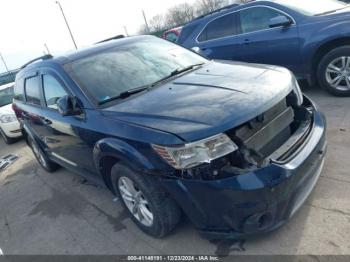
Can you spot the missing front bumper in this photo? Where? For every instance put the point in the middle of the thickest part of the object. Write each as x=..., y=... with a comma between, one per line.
x=257, y=201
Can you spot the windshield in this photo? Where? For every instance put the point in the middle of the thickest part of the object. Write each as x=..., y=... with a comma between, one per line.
x=313, y=7
x=131, y=65
x=6, y=96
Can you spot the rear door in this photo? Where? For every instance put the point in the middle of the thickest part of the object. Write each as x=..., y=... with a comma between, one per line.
x=217, y=40
x=31, y=109
x=262, y=44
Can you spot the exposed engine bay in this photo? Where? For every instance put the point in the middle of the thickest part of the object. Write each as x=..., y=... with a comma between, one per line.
x=270, y=137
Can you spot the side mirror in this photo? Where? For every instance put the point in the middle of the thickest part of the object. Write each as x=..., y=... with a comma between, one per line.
x=280, y=21
x=68, y=106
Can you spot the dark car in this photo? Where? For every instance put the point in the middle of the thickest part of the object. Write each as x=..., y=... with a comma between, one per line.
x=311, y=38
x=235, y=147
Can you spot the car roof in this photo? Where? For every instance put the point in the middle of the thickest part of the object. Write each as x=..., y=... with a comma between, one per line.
x=227, y=9
x=81, y=53
x=2, y=87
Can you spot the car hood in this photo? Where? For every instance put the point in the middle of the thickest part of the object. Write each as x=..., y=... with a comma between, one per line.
x=217, y=97
x=6, y=110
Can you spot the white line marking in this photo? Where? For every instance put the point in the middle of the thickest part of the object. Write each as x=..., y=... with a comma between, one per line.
x=1, y=253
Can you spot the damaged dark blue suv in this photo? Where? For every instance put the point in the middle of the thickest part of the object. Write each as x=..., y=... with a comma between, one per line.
x=235, y=147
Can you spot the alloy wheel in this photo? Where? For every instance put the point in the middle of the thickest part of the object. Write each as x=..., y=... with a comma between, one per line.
x=338, y=73
x=135, y=201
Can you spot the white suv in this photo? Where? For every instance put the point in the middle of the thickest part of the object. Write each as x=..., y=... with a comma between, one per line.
x=9, y=126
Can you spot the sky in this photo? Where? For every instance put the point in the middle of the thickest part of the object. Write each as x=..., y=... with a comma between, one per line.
x=26, y=25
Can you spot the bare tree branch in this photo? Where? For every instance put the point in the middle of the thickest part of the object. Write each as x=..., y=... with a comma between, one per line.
x=180, y=14
x=206, y=6
x=157, y=23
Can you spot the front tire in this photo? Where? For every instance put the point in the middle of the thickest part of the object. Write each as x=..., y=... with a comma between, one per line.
x=334, y=71
x=151, y=208
x=41, y=157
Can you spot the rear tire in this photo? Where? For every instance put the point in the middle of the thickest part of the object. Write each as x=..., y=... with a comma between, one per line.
x=8, y=140
x=162, y=211
x=41, y=157
x=334, y=71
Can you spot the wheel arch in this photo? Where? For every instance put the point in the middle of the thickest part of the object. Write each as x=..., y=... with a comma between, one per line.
x=27, y=133
x=323, y=50
x=108, y=152
x=105, y=165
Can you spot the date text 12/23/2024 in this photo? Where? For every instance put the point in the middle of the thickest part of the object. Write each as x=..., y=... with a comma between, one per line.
x=172, y=258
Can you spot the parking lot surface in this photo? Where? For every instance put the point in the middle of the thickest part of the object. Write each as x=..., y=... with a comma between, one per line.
x=61, y=213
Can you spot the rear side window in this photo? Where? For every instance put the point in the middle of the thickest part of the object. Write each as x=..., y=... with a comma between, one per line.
x=32, y=90
x=19, y=90
x=257, y=18
x=53, y=90
x=220, y=27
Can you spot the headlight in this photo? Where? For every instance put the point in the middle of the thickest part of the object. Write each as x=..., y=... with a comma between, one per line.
x=196, y=153
x=8, y=118
x=297, y=92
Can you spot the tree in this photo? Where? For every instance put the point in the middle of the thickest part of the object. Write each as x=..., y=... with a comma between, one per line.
x=179, y=15
x=157, y=23
x=206, y=6
x=182, y=13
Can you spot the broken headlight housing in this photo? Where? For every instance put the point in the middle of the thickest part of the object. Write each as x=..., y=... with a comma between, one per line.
x=196, y=153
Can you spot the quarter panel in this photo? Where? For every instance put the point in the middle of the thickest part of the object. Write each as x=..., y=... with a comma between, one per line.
x=317, y=32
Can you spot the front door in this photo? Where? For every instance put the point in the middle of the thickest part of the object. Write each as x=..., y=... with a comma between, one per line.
x=265, y=45
x=62, y=135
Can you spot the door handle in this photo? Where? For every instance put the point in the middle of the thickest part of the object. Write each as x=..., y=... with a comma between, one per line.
x=246, y=42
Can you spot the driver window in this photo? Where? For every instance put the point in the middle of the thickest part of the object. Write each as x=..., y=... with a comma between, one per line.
x=53, y=91
x=256, y=18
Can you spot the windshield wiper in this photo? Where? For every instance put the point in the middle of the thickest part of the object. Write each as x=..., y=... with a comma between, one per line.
x=124, y=94
x=133, y=91
x=176, y=72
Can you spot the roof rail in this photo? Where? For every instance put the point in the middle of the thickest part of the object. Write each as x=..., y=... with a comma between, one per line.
x=44, y=57
x=216, y=11
x=110, y=39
